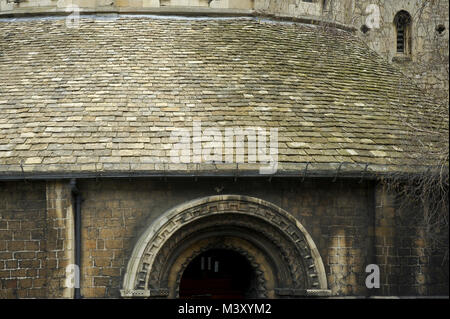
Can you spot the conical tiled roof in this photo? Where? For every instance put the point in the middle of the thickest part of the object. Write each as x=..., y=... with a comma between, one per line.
x=107, y=95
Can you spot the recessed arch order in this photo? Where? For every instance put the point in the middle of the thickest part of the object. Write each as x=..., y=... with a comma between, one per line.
x=283, y=255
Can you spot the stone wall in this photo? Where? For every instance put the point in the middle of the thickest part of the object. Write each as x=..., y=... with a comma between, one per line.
x=115, y=213
x=353, y=225
x=35, y=239
x=22, y=240
x=407, y=264
x=428, y=62
x=29, y=5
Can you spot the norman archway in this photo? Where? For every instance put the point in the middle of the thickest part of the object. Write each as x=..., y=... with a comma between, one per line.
x=284, y=258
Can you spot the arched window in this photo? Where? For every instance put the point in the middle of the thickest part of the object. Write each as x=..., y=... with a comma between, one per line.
x=402, y=22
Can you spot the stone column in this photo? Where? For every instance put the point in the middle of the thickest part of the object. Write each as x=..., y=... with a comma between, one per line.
x=384, y=232
x=60, y=238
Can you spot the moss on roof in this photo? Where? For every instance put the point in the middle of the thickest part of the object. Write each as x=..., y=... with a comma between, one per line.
x=107, y=95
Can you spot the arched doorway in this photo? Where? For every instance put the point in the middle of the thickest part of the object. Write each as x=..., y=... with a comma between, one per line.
x=283, y=259
x=217, y=274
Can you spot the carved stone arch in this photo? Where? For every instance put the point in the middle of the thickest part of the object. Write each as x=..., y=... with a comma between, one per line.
x=291, y=263
x=262, y=255
x=260, y=284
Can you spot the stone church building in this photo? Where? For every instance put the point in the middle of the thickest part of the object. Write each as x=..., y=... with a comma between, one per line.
x=214, y=149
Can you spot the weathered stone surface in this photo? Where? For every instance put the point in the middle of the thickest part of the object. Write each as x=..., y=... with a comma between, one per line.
x=36, y=241
x=101, y=96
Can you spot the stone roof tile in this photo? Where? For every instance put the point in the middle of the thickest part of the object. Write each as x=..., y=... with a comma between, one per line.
x=110, y=93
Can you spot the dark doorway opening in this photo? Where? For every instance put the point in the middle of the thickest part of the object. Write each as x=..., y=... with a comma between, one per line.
x=217, y=274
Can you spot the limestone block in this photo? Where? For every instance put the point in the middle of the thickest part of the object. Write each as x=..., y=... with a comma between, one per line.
x=185, y=3
x=129, y=3
x=150, y=3
x=6, y=6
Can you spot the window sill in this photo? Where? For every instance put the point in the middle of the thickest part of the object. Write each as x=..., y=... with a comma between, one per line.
x=400, y=58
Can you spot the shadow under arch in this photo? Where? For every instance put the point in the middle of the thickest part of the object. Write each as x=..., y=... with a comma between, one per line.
x=281, y=251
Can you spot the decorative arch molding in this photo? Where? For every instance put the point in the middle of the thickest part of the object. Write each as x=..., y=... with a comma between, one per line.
x=260, y=289
x=288, y=249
